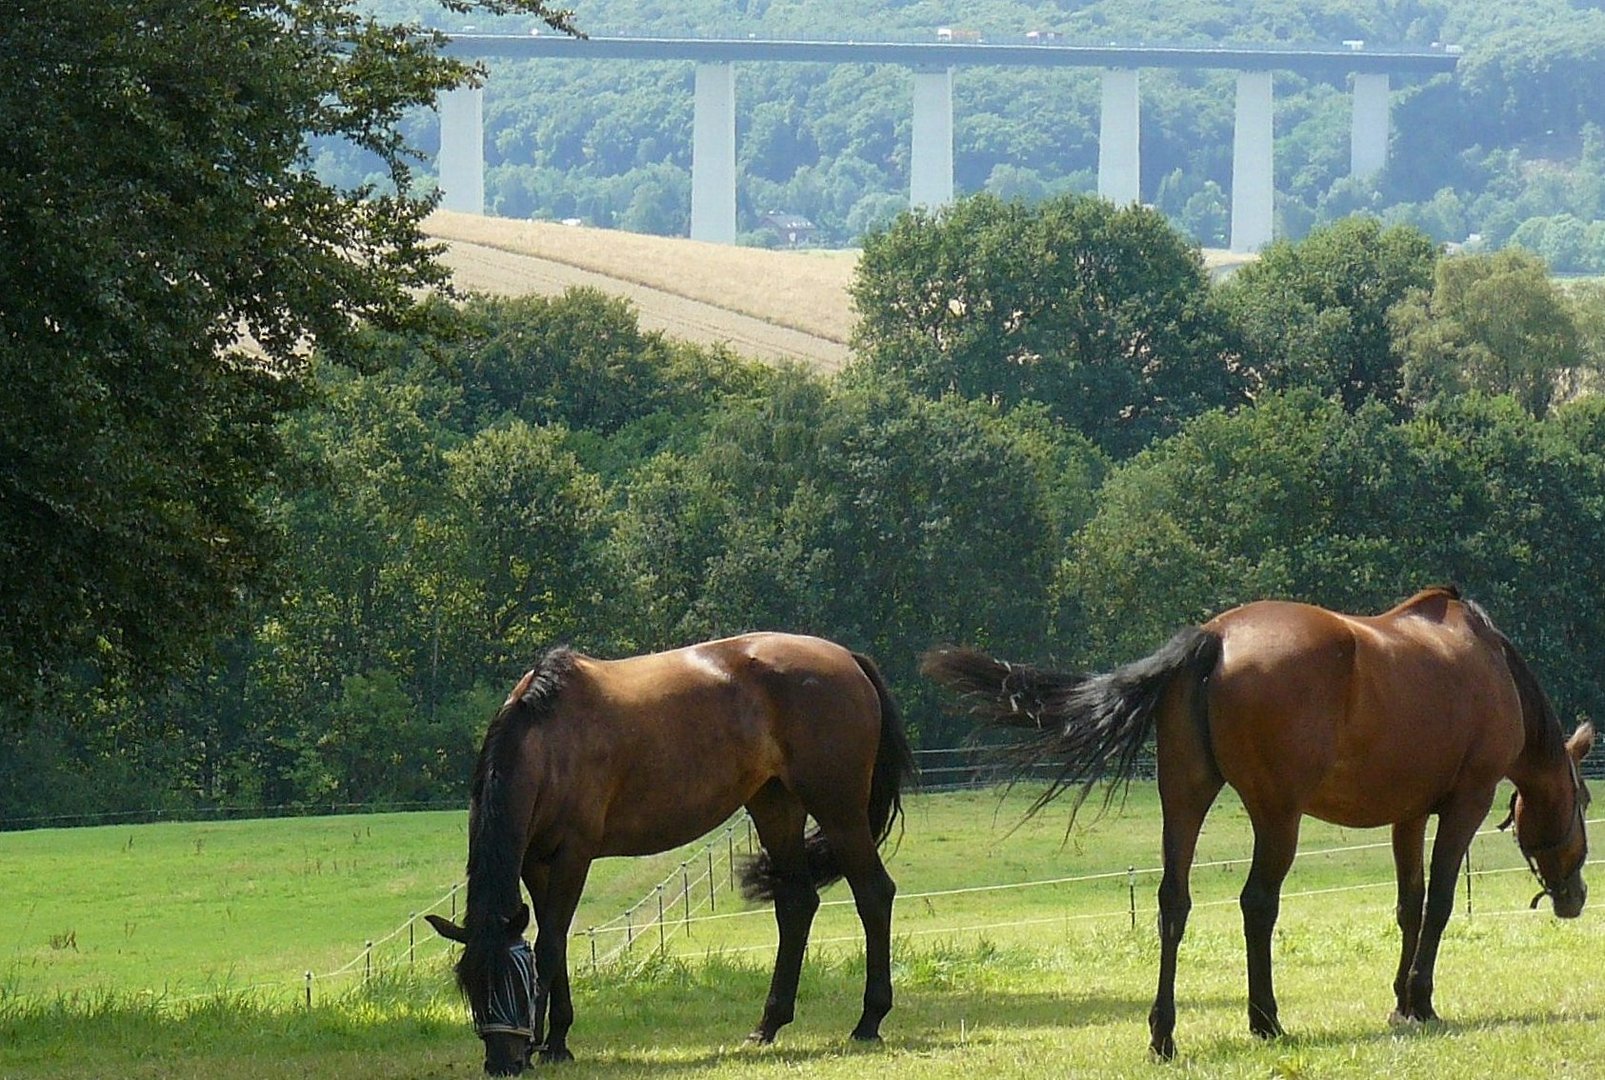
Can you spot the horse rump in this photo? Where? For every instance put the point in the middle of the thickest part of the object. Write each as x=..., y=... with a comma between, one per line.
x=894, y=768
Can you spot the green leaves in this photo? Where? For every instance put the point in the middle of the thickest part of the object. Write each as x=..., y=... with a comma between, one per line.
x=1314, y=314
x=1494, y=324
x=1102, y=314
x=166, y=257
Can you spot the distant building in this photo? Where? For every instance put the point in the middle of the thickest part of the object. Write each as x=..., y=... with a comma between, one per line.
x=790, y=229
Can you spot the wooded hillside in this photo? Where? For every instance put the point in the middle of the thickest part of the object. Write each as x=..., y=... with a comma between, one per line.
x=1508, y=149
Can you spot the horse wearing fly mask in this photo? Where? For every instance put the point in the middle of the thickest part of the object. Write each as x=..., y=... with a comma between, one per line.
x=590, y=758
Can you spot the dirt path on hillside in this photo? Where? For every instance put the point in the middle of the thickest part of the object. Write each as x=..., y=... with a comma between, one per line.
x=503, y=273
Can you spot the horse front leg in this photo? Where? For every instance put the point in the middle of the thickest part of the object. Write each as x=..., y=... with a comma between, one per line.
x=1275, y=843
x=536, y=877
x=1457, y=824
x=1409, y=843
x=566, y=880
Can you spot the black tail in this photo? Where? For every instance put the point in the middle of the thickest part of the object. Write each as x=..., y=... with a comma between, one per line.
x=1092, y=727
x=894, y=767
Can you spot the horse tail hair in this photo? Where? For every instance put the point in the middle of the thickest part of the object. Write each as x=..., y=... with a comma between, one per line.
x=894, y=760
x=894, y=768
x=1090, y=729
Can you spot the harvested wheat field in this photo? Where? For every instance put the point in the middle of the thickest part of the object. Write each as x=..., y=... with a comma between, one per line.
x=771, y=305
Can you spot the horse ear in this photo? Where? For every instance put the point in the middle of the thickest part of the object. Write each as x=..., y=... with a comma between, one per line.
x=448, y=929
x=521, y=689
x=1582, y=741
x=519, y=922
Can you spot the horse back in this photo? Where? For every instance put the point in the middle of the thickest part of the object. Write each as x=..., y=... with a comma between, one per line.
x=699, y=730
x=1361, y=720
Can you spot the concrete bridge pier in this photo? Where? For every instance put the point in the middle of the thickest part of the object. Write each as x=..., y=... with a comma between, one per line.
x=713, y=155
x=930, y=166
x=462, y=149
x=1368, y=140
x=1119, y=165
x=1253, y=178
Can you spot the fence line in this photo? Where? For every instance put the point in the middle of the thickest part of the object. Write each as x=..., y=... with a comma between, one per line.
x=974, y=765
x=671, y=913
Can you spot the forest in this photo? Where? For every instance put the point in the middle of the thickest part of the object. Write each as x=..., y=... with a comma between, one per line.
x=1507, y=150
x=1059, y=440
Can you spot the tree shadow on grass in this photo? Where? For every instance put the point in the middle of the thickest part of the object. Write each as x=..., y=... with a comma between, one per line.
x=1383, y=1032
x=925, y=1021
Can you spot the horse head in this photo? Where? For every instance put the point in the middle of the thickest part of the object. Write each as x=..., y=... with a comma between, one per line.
x=497, y=975
x=1555, y=841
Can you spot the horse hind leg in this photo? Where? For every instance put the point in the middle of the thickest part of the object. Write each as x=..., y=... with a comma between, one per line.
x=1188, y=783
x=1185, y=802
x=1275, y=843
x=873, y=894
x=780, y=819
x=1409, y=843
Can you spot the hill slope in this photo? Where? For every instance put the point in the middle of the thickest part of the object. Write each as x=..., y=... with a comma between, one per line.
x=772, y=305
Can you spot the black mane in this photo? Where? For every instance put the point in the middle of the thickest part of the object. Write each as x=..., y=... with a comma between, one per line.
x=1545, y=736
x=495, y=844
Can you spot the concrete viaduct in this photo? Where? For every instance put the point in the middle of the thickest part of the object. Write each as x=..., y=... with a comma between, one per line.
x=713, y=155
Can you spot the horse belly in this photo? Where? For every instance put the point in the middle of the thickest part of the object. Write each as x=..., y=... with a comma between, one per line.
x=671, y=802
x=1372, y=792
x=1403, y=762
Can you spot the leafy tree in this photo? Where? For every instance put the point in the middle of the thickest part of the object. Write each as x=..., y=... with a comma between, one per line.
x=863, y=513
x=527, y=527
x=1297, y=498
x=165, y=255
x=1102, y=314
x=1314, y=313
x=1294, y=498
x=1492, y=323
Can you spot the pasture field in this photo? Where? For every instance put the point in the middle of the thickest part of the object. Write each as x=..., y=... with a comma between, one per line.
x=179, y=949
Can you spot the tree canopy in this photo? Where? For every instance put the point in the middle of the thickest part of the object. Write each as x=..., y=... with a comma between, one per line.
x=1315, y=313
x=167, y=256
x=1103, y=314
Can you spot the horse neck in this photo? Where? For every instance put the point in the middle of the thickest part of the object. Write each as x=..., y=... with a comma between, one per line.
x=1542, y=771
x=498, y=839
x=1543, y=774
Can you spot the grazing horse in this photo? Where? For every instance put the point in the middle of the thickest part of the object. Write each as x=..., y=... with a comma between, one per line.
x=1360, y=721
x=592, y=757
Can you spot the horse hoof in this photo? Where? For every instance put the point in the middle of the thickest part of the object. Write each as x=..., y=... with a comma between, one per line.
x=1412, y=1018
x=556, y=1056
x=760, y=1037
x=1265, y=1027
x=1163, y=1049
x=867, y=1036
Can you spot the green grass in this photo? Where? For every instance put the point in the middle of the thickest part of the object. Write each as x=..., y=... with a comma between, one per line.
x=188, y=943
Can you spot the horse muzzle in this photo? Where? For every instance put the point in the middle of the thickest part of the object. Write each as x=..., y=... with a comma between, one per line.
x=507, y=1052
x=1569, y=898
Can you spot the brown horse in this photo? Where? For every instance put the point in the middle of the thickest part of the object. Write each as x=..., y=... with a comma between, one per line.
x=591, y=757
x=1360, y=721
